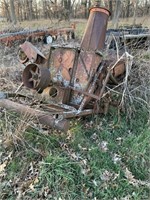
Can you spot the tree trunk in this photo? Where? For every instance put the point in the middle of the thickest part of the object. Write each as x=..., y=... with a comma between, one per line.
x=147, y=8
x=44, y=9
x=84, y=3
x=30, y=10
x=128, y=9
x=18, y=11
x=117, y=13
x=110, y=8
x=135, y=12
x=7, y=12
x=12, y=10
x=36, y=10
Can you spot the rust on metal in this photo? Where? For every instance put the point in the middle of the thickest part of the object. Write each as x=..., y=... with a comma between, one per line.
x=30, y=52
x=95, y=32
x=41, y=116
x=38, y=35
x=36, y=77
x=72, y=81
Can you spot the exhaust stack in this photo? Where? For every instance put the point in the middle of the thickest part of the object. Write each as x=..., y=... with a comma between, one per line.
x=95, y=32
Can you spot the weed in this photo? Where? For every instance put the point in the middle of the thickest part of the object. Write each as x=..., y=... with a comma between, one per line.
x=99, y=158
x=85, y=163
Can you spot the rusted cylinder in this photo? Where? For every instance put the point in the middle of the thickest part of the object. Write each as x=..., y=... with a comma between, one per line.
x=43, y=117
x=95, y=32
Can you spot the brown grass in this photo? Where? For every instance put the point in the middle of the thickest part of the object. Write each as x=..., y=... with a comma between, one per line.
x=47, y=23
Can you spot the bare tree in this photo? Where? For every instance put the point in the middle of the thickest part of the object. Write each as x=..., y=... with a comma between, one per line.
x=36, y=9
x=147, y=7
x=21, y=10
x=135, y=12
x=5, y=10
x=30, y=10
x=117, y=13
x=110, y=8
x=84, y=3
x=12, y=10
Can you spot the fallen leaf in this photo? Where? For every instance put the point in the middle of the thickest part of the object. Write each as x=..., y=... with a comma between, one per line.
x=130, y=177
x=2, y=166
x=36, y=180
x=106, y=176
x=31, y=186
x=133, y=180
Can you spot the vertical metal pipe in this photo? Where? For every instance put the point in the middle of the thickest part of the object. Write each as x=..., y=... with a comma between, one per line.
x=95, y=32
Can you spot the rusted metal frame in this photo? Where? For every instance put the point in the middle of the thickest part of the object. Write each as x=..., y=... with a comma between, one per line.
x=68, y=114
x=93, y=71
x=55, y=113
x=71, y=84
x=43, y=117
x=104, y=85
x=58, y=107
x=55, y=32
x=49, y=56
x=84, y=92
x=84, y=65
x=55, y=119
x=18, y=36
x=108, y=76
x=13, y=38
x=92, y=86
x=77, y=54
x=32, y=54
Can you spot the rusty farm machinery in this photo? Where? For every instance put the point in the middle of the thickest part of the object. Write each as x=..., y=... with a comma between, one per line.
x=70, y=81
x=46, y=35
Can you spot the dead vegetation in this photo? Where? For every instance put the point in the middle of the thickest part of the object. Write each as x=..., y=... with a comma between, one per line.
x=101, y=157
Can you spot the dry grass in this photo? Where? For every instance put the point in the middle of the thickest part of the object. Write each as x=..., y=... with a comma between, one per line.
x=14, y=129
x=80, y=24
x=98, y=158
x=144, y=21
x=10, y=78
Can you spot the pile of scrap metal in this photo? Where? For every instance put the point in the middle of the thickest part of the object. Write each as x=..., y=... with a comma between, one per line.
x=47, y=35
x=71, y=81
x=130, y=36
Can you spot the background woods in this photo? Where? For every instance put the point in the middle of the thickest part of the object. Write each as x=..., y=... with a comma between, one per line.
x=20, y=10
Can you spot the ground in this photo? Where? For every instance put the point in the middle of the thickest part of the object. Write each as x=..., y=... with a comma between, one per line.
x=101, y=157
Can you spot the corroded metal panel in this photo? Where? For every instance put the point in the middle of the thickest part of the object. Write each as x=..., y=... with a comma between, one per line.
x=95, y=32
x=61, y=65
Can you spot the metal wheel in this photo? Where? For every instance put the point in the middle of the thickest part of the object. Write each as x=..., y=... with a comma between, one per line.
x=35, y=77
